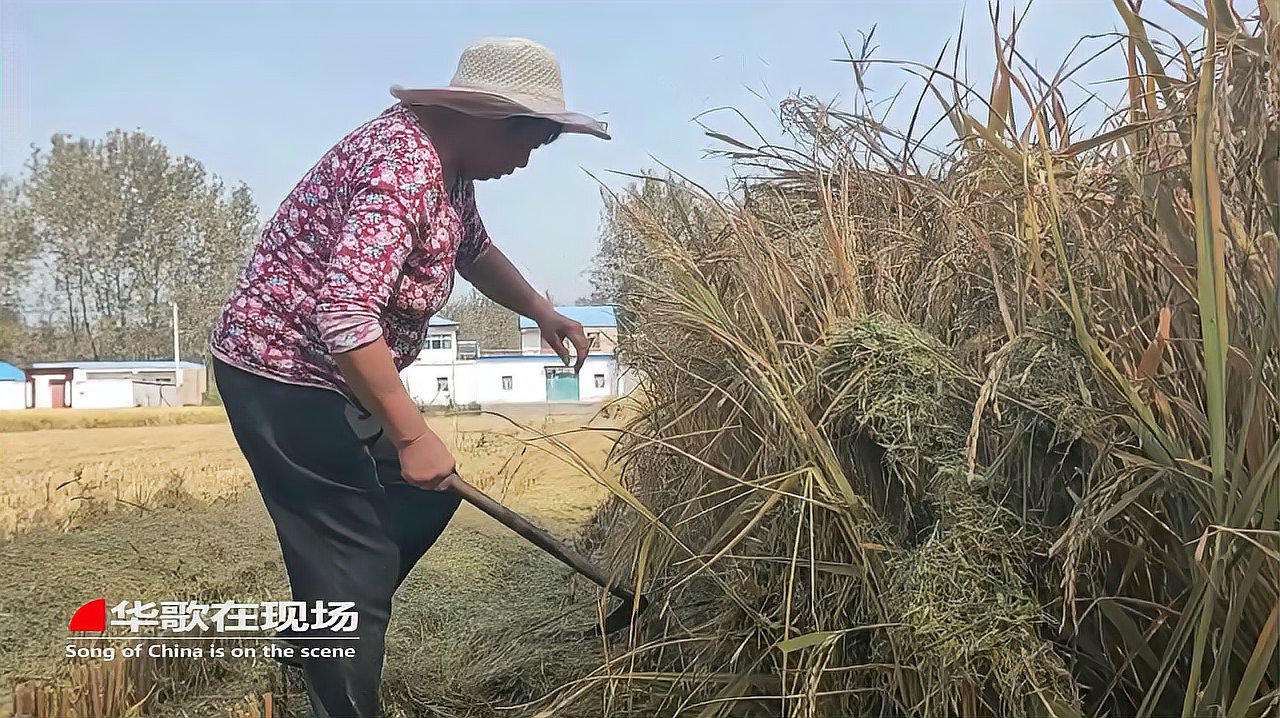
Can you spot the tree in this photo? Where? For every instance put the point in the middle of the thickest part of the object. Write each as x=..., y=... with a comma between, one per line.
x=124, y=229
x=17, y=242
x=483, y=320
x=17, y=248
x=629, y=221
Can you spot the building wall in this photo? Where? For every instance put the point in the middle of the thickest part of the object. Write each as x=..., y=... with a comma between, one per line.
x=421, y=379
x=628, y=381
x=481, y=381
x=440, y=356
x=195, y=384
x=464, y=383
x=607, y=342
x=531, y=342
x=124, y=388
x=149, y=393
x=119, y=386
x=529, y=380
x=101, y=393
x=606, y=370
x=13, y=395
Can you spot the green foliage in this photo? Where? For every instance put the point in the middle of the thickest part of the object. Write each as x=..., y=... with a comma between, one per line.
x=118, y=230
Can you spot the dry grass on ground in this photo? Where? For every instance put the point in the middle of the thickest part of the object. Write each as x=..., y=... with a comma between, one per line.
x=64, y=477
x=158, y=513
x=40, y=419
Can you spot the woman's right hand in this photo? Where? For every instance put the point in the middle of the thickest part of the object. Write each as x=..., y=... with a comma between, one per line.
x=371, y=373
x=426, y=463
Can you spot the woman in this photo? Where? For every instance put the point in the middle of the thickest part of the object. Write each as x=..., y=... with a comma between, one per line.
x=334, y=302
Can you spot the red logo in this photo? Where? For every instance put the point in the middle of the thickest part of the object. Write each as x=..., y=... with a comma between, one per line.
x=90, y=617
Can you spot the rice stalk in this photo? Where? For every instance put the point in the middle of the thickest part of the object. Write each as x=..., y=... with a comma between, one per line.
x=995, y=433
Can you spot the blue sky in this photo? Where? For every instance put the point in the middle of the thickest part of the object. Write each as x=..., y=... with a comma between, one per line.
x=258, y=91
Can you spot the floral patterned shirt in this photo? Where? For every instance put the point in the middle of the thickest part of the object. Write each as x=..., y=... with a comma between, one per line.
x=364, y=247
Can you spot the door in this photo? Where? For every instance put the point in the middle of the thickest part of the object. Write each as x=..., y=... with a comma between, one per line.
x=562, y=384
x=58, y=393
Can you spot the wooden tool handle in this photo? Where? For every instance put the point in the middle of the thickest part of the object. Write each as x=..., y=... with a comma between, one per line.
x=538, y=537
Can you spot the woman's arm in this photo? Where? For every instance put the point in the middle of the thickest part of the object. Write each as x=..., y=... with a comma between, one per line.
x=363, y=267
x=498, y=279
x=371, y=373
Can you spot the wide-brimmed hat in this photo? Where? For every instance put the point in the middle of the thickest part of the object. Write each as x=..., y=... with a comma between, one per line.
x=506, y=77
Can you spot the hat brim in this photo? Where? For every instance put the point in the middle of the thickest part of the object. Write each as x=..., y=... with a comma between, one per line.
x=480, y=103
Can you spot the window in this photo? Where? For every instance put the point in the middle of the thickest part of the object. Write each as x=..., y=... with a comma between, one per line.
x=595, y=339
x=442, y=383
x=446, y=342
x=91, y=375
x=439, y=342
x=599, y=381
x=506, y=383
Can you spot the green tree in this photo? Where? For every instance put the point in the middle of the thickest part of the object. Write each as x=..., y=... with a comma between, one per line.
x=123, y=230
x=17, y=249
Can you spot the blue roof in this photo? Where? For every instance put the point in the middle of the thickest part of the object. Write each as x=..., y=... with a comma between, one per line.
x=9, y=372
x=588, y=316
x=109, y=365
x=439, y=321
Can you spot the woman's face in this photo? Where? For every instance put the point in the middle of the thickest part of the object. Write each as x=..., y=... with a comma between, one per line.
x=500, y=147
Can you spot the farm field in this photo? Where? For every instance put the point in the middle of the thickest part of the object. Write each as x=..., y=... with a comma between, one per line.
x=37, y=419
x=958, y=400
x=168, y=512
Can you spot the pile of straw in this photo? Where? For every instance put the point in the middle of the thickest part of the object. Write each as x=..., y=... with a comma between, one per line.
x=994, y=435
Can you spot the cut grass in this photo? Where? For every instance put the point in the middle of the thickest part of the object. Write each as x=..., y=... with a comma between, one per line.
x=66, y=478
x=169, y=513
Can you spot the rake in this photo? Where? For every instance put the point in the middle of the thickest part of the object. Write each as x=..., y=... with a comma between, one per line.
x=369, y=432
x=620, y=617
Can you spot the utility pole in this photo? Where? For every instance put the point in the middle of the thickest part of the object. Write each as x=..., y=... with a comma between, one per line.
x=177, y=363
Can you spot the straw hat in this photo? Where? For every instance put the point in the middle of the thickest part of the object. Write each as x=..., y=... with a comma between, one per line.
x=506, y=77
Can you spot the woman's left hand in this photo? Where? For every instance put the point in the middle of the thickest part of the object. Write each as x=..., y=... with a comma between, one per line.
x=557, y=329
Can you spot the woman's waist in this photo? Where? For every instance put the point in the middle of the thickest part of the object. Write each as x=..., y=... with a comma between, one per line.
x=268, y=333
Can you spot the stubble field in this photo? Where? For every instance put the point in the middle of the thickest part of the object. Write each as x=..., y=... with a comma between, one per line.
x=169, y=512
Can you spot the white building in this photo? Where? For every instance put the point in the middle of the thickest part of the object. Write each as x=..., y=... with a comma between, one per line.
x=13, y=387
x=113, y=385
x=432, y=378
x=448, y=371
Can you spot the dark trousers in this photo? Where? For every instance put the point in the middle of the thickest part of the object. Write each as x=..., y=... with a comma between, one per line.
x=350, y=528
